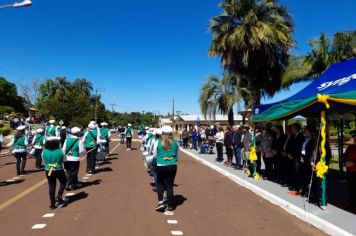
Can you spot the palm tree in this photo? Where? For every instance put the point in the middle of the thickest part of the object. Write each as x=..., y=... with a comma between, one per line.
x=219, y=95
x=62, y=85
x=83, y=86
x=319, y=58
x=252, y=38
x=344, y=46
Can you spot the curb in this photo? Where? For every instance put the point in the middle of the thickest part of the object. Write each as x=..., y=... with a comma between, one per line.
x=309, y=218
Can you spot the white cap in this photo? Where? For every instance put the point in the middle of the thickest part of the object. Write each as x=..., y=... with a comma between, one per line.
x=159, y=131
x=63, y=127
x=51, y=121
x=104, y=124
x=40, y=130
x=21, y=127
x=147, y=128
x=154, y=131
x=92, y=122
x=91, y=126
x=167, y=130
x=151, y=129
x=129, y=125
x=75, y=130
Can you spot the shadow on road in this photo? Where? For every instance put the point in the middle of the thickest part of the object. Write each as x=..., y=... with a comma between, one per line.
x=112, y=158
x=105, y=169
x=88, y=184
x=179, y=200
x=77, y=197
x=6, y=183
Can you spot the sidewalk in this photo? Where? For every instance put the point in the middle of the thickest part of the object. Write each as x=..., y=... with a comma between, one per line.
x=333, y=220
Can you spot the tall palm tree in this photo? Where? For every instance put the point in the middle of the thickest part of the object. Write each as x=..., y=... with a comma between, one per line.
x=253, y=38
x=344, y=46
x=62, y=85
x=83, y=86
x=219, y=95
x=319, y=58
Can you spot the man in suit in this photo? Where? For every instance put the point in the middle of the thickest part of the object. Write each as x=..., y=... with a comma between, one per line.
x=295, y=155
x=305, y=164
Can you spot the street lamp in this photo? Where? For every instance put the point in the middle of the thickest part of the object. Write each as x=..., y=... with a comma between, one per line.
x=25, y=3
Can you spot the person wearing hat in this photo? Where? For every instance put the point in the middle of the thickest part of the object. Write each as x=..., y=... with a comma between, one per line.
x=73, y=148
x=129, y=135
x=53, y=157
x=51, y=129
x=165, y=152
x=38, y=143
x=91, y=139
x=19, y=143
x=105, y=135
x=350, y=163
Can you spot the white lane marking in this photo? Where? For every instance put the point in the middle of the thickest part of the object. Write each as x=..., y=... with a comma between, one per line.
x=39, y=226
x=70, y=194
x=112, y=150
x=173, y=222
x=168, y=213
x=88, y=174
x=10, y=180
x=176, y=232
x=21, y=175
x=48, y=215
x=16, y=177
x=85, y=177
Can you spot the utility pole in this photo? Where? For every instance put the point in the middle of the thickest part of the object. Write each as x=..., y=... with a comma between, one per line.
x=96, y=105
x=112, y=107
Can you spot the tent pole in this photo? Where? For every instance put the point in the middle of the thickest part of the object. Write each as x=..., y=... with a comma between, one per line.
x=341, y=147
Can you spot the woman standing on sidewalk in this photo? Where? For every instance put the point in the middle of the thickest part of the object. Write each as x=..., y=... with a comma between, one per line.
x=219, y=137
x=37, y=143
x=19, y=143
x=53, y=158
x=165, y=152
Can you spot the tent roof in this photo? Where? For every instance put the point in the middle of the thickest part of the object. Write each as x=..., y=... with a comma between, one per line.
x=338, y=80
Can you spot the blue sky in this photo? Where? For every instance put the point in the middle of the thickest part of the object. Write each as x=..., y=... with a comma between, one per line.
x=141, y=53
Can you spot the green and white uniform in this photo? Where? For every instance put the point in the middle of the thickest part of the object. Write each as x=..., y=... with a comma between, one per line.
x=164, y=157
x=51, y=131
x=38, y=141
x=73, y=147
x=91, y=139
x=19, y=144
x=105, y=135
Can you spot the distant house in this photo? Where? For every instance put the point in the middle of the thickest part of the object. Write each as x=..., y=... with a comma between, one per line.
x=192, y=121
x=165, y=121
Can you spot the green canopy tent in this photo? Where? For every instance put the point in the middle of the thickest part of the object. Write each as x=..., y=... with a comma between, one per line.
x=334, y=90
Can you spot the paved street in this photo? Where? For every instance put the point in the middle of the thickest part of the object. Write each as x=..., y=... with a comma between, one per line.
x=119, y=201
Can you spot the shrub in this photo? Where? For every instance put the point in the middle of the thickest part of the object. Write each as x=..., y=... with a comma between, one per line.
x=5, y=129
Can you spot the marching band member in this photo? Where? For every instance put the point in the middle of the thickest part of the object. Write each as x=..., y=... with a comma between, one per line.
x=73, y=148
x=166, y=153
x=53, y=158
x=51, y=129
x=129, y=135
x=19, y=143
x=91, y=140
x=38, y=143
x=105, y=135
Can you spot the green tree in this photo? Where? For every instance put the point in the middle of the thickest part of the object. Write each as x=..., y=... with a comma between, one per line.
x=344, y=46
x=219, y=95
x=253, y=38
x=9, y=96
x=83, y=86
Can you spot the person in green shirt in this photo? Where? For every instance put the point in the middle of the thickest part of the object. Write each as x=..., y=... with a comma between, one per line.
x=19, y=143
x=165, y=151
x=105, y=136
x=53, y=156
x=129, y=135
x=91, y=139
x=38, y=142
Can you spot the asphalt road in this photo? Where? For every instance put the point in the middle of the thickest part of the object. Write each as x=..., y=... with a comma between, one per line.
x=119, y=200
